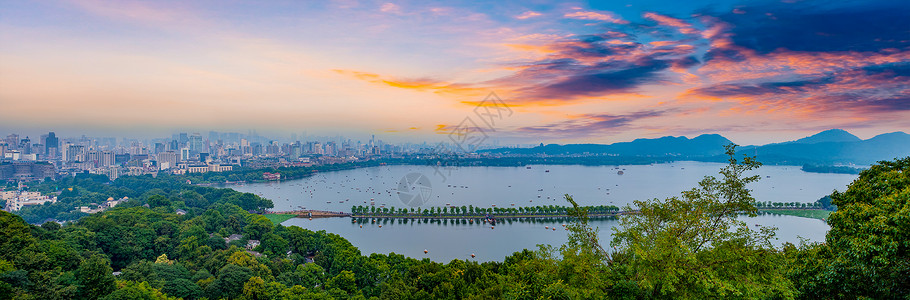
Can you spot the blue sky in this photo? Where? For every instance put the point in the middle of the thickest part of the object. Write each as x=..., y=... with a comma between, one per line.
x=606, y=71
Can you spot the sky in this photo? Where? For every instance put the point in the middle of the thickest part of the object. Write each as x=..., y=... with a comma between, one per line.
x=565, y=72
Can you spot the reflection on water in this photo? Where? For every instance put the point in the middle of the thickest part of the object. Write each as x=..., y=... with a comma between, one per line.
x=516, y=187
x=458, y=239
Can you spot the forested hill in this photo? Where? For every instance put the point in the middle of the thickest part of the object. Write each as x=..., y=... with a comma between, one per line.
x=703, y=145
x=834, y=150
x=833, y=146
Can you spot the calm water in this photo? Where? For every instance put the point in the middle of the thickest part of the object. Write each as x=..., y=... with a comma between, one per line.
x=514, y=187
x=447, y=241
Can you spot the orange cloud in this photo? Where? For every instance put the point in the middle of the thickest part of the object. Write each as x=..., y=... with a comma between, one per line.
x=422, y=85
x=683, y=26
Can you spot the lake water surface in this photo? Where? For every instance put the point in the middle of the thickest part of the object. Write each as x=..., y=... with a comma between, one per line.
x=520, y=186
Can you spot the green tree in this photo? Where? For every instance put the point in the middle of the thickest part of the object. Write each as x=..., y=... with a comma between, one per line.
x=694, y=247
x=95, y=277
x=229, y=282
x=129, y=290
x=257, y=227
x=867, y=250
x=14, y=236
x=345, y=281
x=158, y=201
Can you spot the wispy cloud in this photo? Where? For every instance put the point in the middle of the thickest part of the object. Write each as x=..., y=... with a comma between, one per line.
x=528, y=14
x=587, y=125
x=595, y=16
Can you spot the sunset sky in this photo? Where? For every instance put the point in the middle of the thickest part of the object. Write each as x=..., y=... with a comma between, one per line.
x=597, y=72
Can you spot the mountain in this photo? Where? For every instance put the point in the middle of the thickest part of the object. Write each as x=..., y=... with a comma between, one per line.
x=830, y=135
x=703, y=145
x=829, y=147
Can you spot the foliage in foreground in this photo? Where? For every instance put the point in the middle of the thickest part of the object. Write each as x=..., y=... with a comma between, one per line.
x=691, y=246
x=866, y=253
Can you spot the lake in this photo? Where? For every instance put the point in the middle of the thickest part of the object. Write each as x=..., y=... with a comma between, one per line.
x=398, y=186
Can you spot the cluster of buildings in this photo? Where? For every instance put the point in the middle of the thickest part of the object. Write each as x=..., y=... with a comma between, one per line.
x=24, y=158
x=94, y=207
x=16, y=199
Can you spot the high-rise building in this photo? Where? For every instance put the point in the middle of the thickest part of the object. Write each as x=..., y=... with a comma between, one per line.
x=183, y=139
x=74, y=153
x=185, y=154
x=93, y=158
x=195, y=144
x=108, y=159
x=159, y=147
x=12, y=141
x=25, y=145
x=51, y=145
x=167, y=160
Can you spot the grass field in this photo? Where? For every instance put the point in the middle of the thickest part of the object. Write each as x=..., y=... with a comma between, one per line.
x=805, y=213
x=278, y=218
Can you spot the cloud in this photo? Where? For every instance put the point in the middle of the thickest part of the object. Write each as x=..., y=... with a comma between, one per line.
x=683, y=26
x=420, y=84
x=817, y=26
x=754, y=59
x=596, y=16
x=603, y=79
x=391, y=8
x=765, y=88
x=160, y=15
x=527, y=15
x=591, y=124
x=893, y=69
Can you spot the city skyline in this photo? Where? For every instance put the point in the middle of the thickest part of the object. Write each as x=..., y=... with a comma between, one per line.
x=575, y=72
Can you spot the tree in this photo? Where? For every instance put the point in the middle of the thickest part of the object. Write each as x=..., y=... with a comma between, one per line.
x=229, y=283
x=694, y=247
x=14, y=236
x=344, y=281
x=129, y=290
x=274, y=245
x=867, y=250
x=95, y=277
x=257, y=227
x=158, y=201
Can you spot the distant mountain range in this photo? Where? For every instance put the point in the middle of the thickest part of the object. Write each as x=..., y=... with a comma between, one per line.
x=835, y=146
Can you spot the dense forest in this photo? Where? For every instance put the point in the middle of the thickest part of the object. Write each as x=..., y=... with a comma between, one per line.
x=88, y=189
x=690, y=246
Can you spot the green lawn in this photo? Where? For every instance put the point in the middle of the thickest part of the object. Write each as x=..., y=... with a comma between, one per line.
x=278, y=218
x=805, y=213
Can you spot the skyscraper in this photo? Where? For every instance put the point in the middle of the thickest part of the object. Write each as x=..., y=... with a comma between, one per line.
x=12, y=141
x=195, y=144
x=185, y=154
x=51, y=145
x=108, y=159
x=167, y=160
